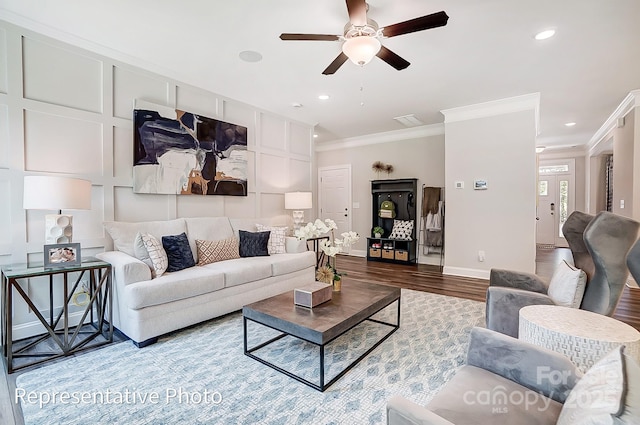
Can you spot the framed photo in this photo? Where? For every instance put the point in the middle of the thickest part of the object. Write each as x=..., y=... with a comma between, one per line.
x=61, y=255
x=480, y=185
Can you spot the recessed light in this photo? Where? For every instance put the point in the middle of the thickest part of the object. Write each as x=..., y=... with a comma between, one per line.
x=570, y=124
x=250, y=56
x=296, y=105
x=315, y=136
x=323, y=97
x=543, y=35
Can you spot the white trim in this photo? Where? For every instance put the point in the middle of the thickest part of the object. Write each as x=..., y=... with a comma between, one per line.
x=26, y=330
x=495, y=107
x=631, y=101
x=357, y=253
x=385, y=137
x=464, y=272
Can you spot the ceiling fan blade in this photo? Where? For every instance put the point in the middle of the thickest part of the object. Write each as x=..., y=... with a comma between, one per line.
x=357, y=12
x=434, y=20
x=392, y=59
x=312, y=37
x=337, y=63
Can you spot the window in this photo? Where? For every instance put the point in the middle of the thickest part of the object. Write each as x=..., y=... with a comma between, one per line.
x=543, y=188
x=553, y=169
x=564, y=204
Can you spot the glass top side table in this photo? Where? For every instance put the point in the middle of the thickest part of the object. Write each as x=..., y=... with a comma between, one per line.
x=95, y=327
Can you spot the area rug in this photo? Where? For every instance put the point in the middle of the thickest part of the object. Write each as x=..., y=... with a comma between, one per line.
x=201, y=376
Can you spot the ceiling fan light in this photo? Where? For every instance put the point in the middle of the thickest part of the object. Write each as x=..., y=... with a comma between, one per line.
x=360, y=50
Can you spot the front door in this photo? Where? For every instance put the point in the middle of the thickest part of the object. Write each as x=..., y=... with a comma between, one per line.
x=556, y=200
x=546, y=219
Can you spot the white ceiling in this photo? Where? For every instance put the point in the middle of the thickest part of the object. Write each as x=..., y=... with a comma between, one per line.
x=486, y=52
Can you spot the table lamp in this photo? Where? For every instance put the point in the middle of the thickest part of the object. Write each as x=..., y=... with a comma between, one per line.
x=298, y=201
x=57, y=193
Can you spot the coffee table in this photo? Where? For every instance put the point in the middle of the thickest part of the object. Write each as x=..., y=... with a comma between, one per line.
x=357, y=302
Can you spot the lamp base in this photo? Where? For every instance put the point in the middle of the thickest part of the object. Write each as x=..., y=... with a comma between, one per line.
x=58, y=228
x=298, y=219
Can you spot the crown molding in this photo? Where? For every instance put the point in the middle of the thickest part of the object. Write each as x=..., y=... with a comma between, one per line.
x=385, y=137
x=632, y=100
x=494, y=108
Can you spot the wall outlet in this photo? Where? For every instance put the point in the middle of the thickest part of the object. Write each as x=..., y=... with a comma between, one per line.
x=481, y=256
x=621, y=203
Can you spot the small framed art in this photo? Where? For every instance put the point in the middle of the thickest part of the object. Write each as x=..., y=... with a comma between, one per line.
x=480, y=185
x=61, y=255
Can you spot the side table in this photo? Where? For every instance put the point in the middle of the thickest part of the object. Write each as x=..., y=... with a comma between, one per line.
x=316, y=248
x=582, y=336
x=61, y=339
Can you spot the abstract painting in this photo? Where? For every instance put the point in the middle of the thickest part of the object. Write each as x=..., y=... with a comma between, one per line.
x=178, y=152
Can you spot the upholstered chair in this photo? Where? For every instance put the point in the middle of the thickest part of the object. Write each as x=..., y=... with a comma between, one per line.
x=509, y=381
x=599, y=246
x=633, y=261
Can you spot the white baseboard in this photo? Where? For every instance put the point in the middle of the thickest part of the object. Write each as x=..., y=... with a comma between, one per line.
x=25, y=330
x=464, y=272
x=358, y=253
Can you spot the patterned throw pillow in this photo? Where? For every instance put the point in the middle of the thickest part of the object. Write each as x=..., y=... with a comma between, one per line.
x=149, y=250
x=254, y=244
x=178, y=252
x=213, y=251
x=402, y=229
x=277, y=239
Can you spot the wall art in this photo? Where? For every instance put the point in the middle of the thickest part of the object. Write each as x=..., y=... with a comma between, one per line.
x=182, y=153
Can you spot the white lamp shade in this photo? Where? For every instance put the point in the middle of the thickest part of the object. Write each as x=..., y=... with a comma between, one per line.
x=298, y=200
x=56, y=193
x=361, y=49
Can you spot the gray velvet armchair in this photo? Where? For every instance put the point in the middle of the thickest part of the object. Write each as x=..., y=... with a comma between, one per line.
x=505, y=381
x=599, y=246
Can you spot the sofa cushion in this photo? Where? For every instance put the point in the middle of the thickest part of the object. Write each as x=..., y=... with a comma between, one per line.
x=254, y=244
x=214, y=251
x=124, y=233
x=282, y=264
x=170, y=287
x=207, y=229
x=178, y=252
x=599, y=395
x=242, y=270
x=567, y=285
x=476, y=396
x=149, y=250
x=277, y=238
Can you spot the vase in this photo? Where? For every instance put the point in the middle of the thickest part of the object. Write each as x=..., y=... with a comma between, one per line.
x=377, y=235
x=337, y=285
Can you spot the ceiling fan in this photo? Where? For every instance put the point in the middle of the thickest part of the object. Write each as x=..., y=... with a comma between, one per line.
x=361, y=39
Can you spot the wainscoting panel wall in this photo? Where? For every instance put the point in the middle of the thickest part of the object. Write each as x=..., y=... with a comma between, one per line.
x=68, y=111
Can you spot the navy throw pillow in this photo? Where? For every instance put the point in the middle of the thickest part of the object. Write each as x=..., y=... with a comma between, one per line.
x=178, y=252
x=254, y=244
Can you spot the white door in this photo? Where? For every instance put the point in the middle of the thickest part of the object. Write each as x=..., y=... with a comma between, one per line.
x=546, y=219
x=556, y=200
x=334, y=196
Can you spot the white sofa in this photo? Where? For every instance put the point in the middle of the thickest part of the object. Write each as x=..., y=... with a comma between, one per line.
x=145, y=307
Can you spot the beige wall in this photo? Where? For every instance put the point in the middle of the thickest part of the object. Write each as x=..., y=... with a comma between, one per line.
x=421, y=158
x=623, y=166
x=67, y=111
x=500, y=220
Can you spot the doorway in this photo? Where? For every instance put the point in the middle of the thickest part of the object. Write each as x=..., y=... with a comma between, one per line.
x=334, y=196
x=556, y=200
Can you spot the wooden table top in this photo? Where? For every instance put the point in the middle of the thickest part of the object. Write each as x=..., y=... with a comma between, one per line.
x=353, y=304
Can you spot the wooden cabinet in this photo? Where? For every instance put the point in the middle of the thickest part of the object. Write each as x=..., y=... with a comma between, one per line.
x=402, y=194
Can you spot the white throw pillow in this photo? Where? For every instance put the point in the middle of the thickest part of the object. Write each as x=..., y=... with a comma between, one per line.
x=599, y=395
x=567, y=285
x=149, y=250
x=402, y=229
x=277, y=238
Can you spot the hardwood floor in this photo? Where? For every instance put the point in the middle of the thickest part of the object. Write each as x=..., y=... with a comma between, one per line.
x=427, y=278
x=419, y=277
